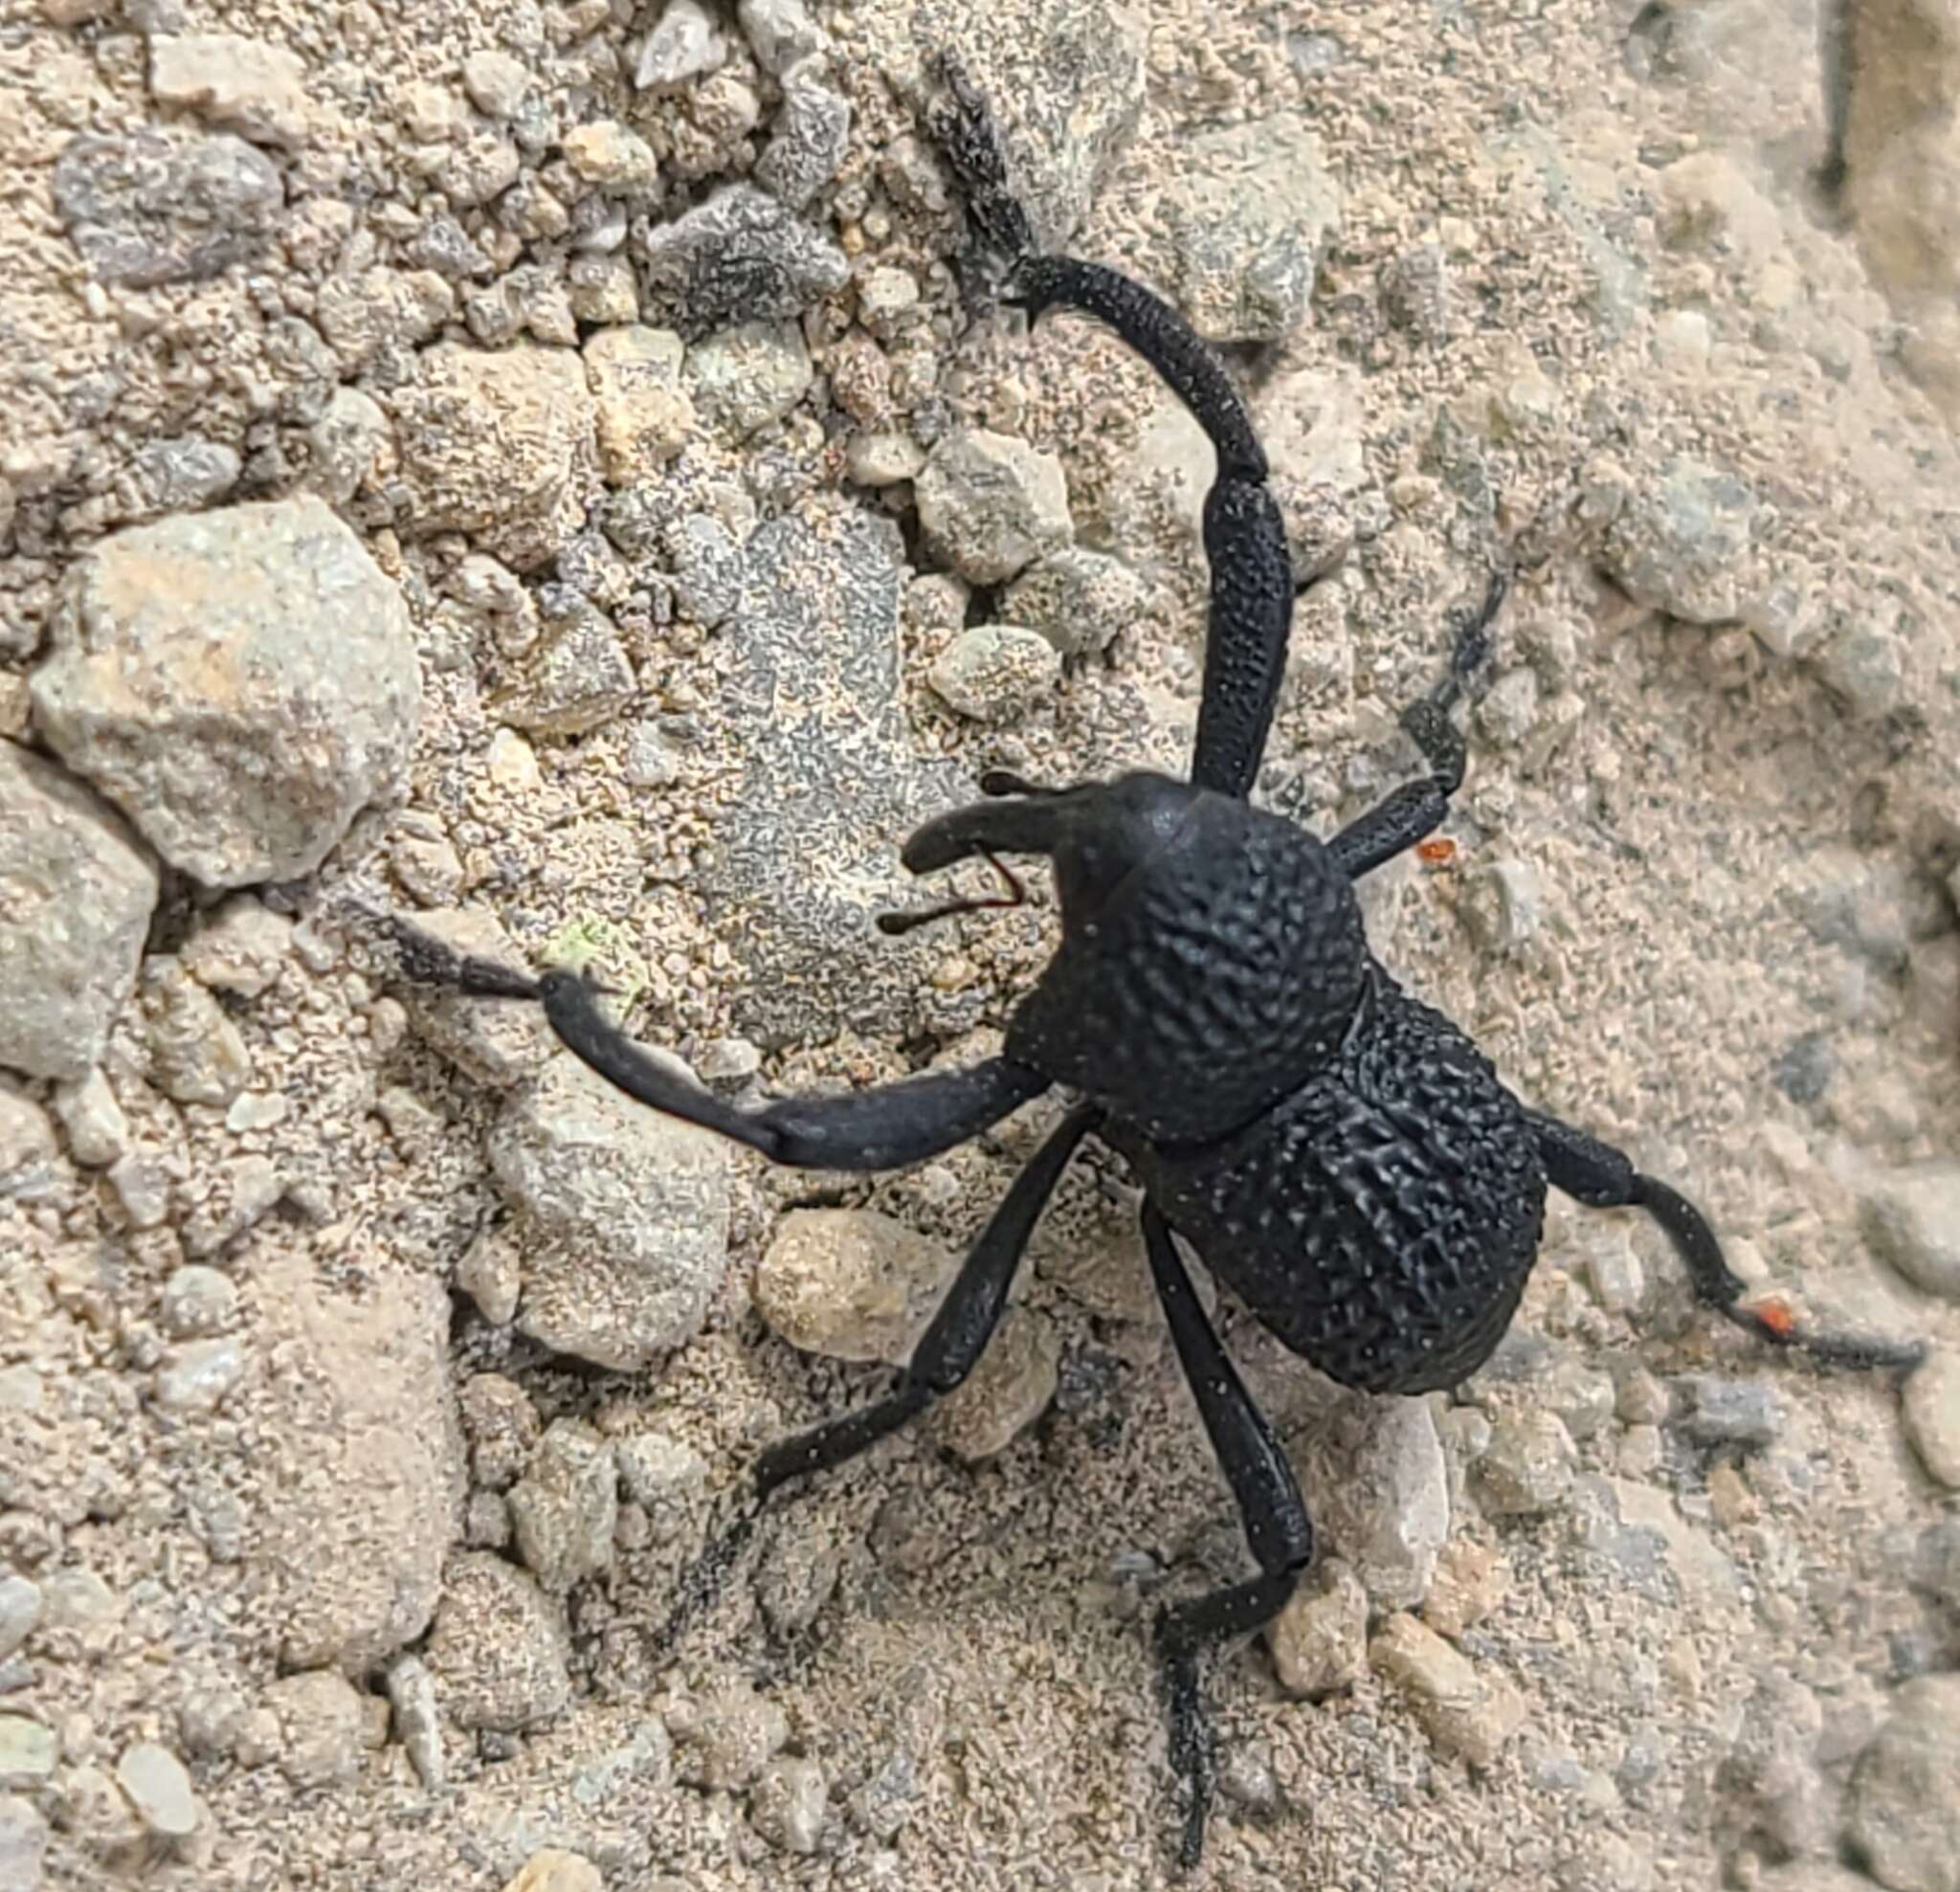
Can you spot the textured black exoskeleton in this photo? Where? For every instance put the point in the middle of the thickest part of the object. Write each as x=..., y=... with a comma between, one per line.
x=1340, y=1155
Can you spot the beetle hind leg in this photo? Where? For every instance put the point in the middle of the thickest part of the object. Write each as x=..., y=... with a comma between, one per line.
x=1602, y=1177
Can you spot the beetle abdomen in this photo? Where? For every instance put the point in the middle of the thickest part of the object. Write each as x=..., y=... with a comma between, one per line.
x=1382, y=1218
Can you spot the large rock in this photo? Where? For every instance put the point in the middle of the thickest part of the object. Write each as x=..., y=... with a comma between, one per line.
x=1906, y=1795
x=499, y=1653
x=807, y=853
x=364, y=1465
x=490, y=442
x=739, y=256
x=627, y=1214
x=241, y=684
x=77, y=907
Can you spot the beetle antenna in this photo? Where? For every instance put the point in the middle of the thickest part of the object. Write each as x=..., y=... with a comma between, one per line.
x=896, y=924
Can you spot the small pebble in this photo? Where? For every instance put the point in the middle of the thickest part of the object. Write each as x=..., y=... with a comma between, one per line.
x=196, y=1375
x=28, y=1751
x=996, y=672
x=728, y=1736
x=159, y=1788
x=1467, y=1709
x=1469, y=1584
x=1930, y=1408
x=1527, y=1468
x=567, y=1507
x=412, y=1695
x=196, y=1300
x=787, y=1804
x=1729, y=1412
x=552, y=1869
x=20, y=1611
x=1319, y=1642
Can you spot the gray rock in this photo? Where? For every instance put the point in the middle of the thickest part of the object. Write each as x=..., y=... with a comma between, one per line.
x=1684, y=544
x=728, y=1737
x=20, y=1611
x=1244, y=221
x=1077, y=599
x=740, y=256
x=1930, y=1409
x=742, y=378
x=1904, y=1814
x=780, y=32
x=196, y=1300
x=564, y=1509
x=412, y=1695
x=23, y=1842
x=181, y=474
x=627, y=1214
x=1527, y=1467
x=98, y=1130
x=502, y=1427
x=159, y=1788
x=1065, y=86
x=990, y=505
x=1375, y=1481
x=684, y=44
x=71, y=928
x=707, y=559
x=27, y=1149
x=1911, y=1217
x=241, y=682
x=851, y=1283
x=577, y=679
x=811, y=133
x=787, y=1804
x=152, y=206
x=663, y=1477
x=807, y=851
x=794, y=1580
x=320, y=1726
x=996, y=672
x=196, y=1054
x=27, y=1753
x=1726, y=1412
x=499, y=1650
x=195, y=1376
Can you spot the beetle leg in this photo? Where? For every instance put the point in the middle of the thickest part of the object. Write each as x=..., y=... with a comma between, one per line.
x=1417, y=807
x=1602, y=1177
x=947, y=1353
x=884, y=1128
x=1270, y=1507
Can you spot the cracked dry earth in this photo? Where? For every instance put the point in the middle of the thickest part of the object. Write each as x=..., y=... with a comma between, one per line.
x=527, y=465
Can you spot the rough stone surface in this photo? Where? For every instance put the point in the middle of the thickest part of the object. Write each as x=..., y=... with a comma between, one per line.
x=1319, y=1642
x=241, y=684
x=1527, y=1468
x=1930, y=1408
x=553, y=1869
x=158, y=1789
x=851, y=1283
x=806, y=850
x=1684, y=544
x=490, y=441
x=497, y=1042
x=990, y=504
x=563, y=1511
x=1079, y=600
x=1911, y=1218
x=1905, y=1815
x=787, y=1804
x=1375, y=1482
x=742, y=378
x=995, y=672
x=244, y=85
x=1244, y=225
x=1468, y=1709
x=1006, y=1392
x=72, y=929
x=354, y=1533
x=154, y=206
x=318, y=1722
x=740, y=256
x=499, y=1650
x=726, y=1737
x=627, y=1213
x=643, y=411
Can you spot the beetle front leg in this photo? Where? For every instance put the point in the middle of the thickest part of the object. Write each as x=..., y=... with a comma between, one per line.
x=884, y=1128
x=1278, y=1530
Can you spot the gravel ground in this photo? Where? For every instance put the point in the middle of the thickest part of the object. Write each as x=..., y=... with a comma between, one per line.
x=530, y=466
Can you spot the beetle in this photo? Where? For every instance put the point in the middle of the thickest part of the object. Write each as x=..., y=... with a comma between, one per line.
x=1340, y=1155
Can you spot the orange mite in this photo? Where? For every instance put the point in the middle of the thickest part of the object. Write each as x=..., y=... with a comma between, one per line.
x=1776, y=1314
x=1435, y=853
